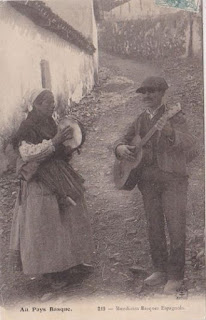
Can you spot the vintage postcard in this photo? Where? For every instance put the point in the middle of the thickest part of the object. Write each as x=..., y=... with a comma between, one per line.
x=102, y=202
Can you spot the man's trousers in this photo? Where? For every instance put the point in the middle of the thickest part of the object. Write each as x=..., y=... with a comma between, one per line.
x=165, y=200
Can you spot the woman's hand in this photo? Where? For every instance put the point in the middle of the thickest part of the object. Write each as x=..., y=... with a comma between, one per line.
x=62, y=135
x=68, y=150
x=126, y=152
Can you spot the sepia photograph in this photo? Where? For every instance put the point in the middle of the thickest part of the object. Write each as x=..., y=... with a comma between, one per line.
x=102, y=160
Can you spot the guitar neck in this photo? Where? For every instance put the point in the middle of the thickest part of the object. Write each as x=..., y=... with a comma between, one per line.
x=168, y=116
x=148, y=135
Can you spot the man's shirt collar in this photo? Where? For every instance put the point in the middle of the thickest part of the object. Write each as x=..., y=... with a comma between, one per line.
x=152, y=113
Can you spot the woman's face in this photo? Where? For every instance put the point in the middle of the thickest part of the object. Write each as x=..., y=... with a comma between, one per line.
x=46, y=107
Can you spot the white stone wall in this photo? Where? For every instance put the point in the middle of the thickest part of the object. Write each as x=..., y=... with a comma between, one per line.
x=22, y=47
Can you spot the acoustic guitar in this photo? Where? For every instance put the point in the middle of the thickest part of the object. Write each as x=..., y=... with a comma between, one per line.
x=126, y=172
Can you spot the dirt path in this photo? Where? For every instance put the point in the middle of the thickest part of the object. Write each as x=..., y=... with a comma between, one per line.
x=117, y=217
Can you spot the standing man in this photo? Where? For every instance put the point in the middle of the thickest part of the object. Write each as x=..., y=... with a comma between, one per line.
x=163, y=182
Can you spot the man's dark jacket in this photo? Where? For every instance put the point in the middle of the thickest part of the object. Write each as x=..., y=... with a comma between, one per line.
x=173, y=154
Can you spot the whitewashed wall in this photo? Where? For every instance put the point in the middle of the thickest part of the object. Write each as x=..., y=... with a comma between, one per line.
x=22, y=47
x=80, y=15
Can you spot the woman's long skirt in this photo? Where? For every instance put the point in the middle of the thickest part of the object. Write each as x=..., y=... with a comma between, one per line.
x=45, y=239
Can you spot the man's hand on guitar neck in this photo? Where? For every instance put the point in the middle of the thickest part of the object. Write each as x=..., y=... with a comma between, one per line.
x=126, y=152
x=165, y=127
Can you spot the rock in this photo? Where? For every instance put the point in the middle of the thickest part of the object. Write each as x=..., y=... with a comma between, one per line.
x=192, y=290
x=200, y=255
x=136, y=241
x=129, y=219
x=115, y=257
x=137, y=270
x=132, y=232
x=47, y=297
x=158, y=295
x=138, y=289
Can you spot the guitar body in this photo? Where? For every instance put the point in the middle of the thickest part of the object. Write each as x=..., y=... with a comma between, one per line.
x=126, y=172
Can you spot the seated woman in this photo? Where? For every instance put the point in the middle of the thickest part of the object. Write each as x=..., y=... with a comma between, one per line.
x=46, y=239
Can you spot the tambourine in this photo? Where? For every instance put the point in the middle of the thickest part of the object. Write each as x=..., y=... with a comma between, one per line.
x=78, y=132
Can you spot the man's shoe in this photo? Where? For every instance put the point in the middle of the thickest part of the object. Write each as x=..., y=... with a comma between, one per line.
x=137, y=270
x=173, y=286
x=88, y=268
x=156, y=278
x=83, y=268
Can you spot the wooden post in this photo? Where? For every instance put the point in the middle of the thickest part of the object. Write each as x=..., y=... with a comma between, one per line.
x=45, y=74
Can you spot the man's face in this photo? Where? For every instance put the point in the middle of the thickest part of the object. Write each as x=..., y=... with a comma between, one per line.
x=152, y=98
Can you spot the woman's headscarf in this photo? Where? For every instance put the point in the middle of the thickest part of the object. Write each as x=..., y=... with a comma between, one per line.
x=36, y=96
x=35, y=128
